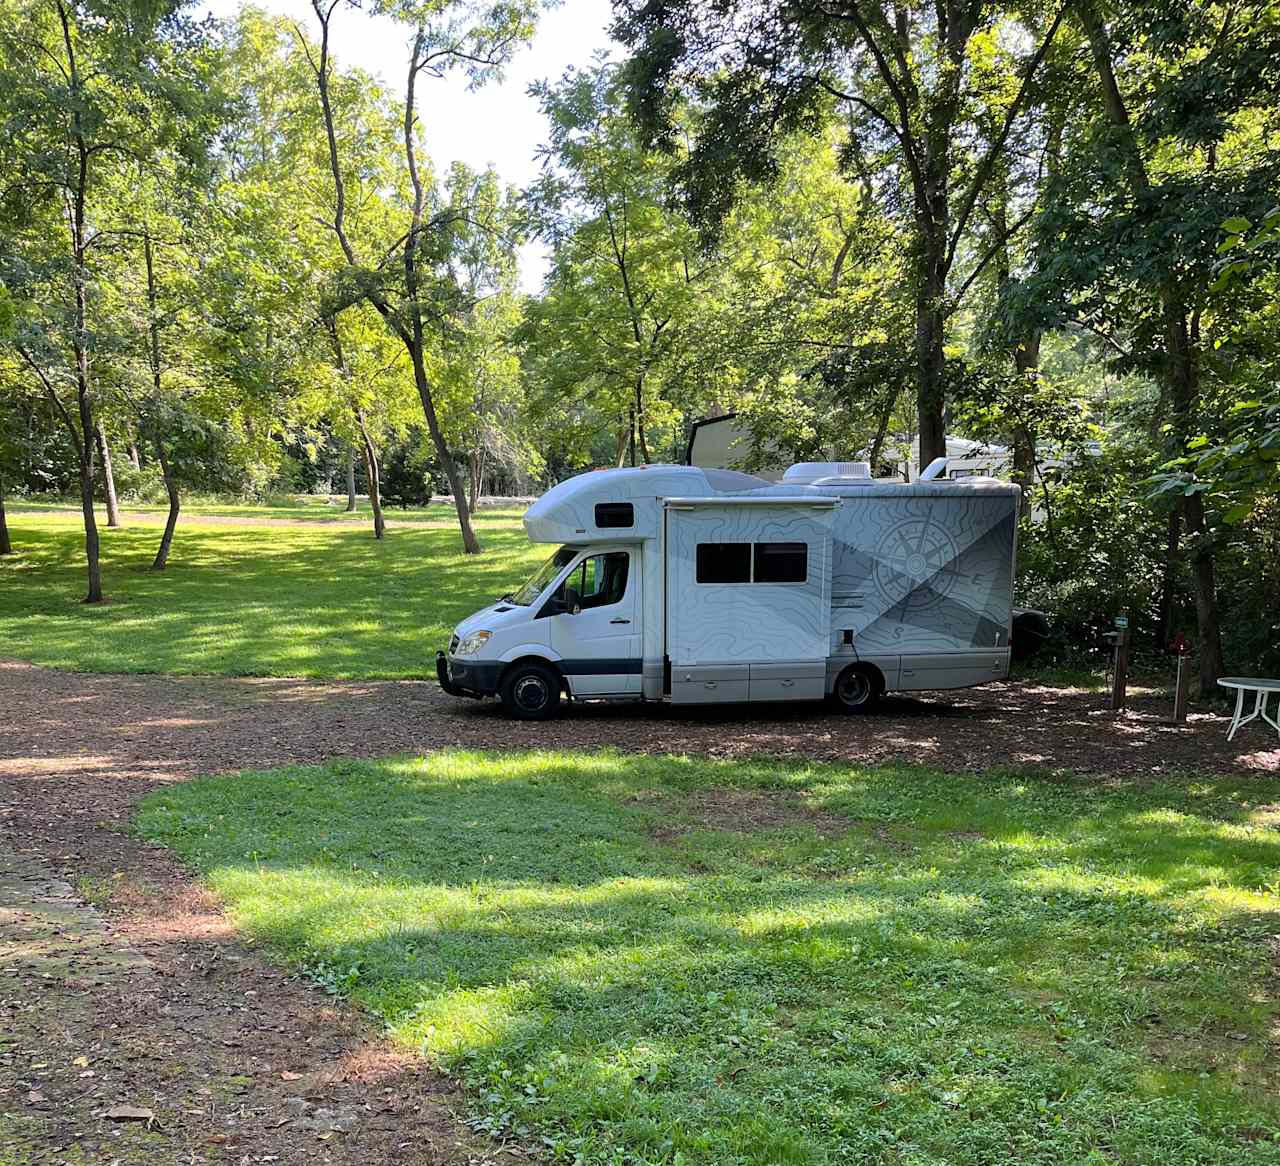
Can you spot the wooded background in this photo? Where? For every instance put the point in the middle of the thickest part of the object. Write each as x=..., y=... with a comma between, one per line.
x=228, y=267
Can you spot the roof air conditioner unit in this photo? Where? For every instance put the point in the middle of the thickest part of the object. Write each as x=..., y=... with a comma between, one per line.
x=806, y=473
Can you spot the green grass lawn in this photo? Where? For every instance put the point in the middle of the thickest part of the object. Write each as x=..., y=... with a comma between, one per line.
x=252, y=600
x=313, y=509
x=659, y=960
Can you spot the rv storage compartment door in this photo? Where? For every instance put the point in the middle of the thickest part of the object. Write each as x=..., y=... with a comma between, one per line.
x=709, y=685
x=953, y=669
x=748, y=597
x=797, y=681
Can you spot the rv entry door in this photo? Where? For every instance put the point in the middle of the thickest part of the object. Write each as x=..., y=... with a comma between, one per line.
x=598, y=636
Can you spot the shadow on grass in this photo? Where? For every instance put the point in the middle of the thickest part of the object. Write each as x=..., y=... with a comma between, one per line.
x=973, y=970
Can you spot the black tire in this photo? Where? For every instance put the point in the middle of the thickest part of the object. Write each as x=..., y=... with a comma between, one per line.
x=531, y=692
x=857, y=689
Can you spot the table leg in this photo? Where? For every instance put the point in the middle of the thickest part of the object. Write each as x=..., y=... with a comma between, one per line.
x=1235, y=720
x=1276, y=723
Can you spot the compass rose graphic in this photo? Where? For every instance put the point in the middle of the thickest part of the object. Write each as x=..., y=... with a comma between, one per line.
x=913, y=552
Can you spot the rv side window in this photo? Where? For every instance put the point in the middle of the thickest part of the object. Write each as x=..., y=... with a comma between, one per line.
x=781, y=562
x=615, y=514
x=724, y=563
x=597, y=581
x=604, y=579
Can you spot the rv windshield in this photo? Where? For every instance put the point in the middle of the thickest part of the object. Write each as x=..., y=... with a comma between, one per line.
x=548, y=571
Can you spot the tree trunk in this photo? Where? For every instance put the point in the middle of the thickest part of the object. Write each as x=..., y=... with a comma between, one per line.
x=411, y=335
x=351, y=478
x=171, y=488
x=1183, y=375
x=931, y=387
x=1026, y=360
x=368, y=452
x=621, y=459
x=639, y=416
x=1204, y=575
x=88, y=428
x=1181, y=372
x=6, y=546
x=374, y=476
x=477, y=477
x=108, y=476
x=882, y=430
x=1164, y=619
x=470, y=544
x=416, y=335
x=91, y=542
x=1026, y=363
x=1023, y=466
x=153, y=356
x=135, y=458
x=79, y=195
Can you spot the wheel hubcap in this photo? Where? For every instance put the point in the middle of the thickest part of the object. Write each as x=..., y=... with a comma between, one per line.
x=855, y=689
x=531, y=692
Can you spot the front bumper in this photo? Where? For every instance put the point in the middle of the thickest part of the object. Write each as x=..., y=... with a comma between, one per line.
x=475, y=678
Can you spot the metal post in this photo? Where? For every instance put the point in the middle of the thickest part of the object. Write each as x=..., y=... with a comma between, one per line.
x=1182, y=689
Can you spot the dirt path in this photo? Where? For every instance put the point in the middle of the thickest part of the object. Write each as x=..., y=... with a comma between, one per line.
x=154, y=1003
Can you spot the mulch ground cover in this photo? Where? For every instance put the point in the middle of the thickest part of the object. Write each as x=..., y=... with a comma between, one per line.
x=136, y=1026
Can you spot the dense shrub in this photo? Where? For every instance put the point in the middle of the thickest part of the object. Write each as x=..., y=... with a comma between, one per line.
x=1249, y=592
x=1096, y=551
x=1100, y=552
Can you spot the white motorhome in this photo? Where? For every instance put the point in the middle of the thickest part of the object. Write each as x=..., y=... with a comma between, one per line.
x=697, y=586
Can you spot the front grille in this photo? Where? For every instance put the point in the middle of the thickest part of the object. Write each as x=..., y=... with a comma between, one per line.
x=453, y=645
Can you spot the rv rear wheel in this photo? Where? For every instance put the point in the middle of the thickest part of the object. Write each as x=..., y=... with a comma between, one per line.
x=857, y=689
x=531, y=692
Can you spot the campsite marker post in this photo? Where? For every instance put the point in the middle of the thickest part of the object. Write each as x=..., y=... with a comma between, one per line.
x=1120, y=667
x=1182, y=687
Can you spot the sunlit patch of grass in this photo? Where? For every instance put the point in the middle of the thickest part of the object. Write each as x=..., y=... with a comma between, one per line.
x=994, y=969
x=252, y=600
x=317, y=509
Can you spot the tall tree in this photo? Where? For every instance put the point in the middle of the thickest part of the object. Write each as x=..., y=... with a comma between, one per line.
x=483, y=397
x=913, y=75
x=1173, y=142
x=85, y=88
x=414, y=294
x=808, y=315
x=625, y=269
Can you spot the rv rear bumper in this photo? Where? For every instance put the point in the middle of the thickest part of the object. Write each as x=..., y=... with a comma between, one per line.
x=475, y=679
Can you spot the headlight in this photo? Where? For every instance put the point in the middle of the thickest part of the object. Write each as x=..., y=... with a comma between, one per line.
x=471, y=644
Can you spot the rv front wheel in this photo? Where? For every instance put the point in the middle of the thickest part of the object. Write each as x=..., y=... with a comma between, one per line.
x=531, y=692
x=857, y=689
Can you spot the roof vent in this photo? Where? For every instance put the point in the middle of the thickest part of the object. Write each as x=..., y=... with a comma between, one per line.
x=806, y=473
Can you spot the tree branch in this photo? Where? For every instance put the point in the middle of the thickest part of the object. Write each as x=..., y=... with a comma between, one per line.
x=991, y=253
x=989, y=159
x=53, y=396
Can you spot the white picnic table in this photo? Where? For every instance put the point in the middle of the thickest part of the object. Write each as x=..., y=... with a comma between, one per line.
x=1261, y=688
